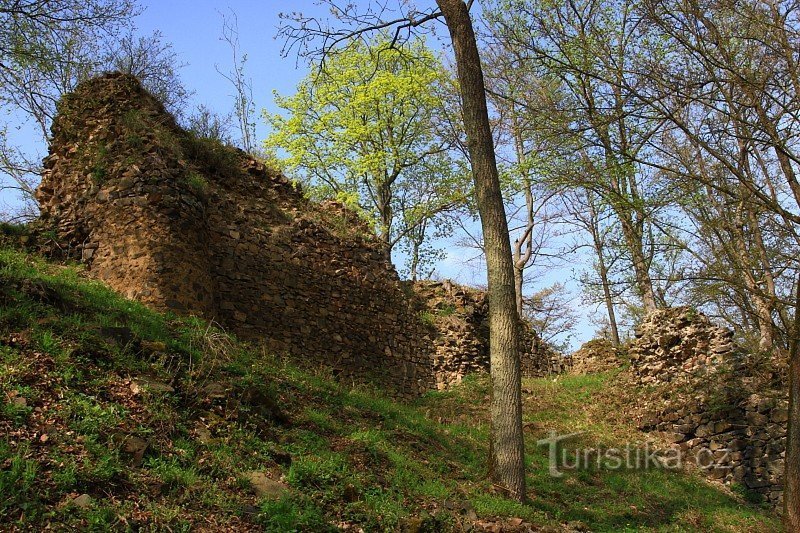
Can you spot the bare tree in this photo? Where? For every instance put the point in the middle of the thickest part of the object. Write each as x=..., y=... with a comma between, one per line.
x=244, y=108
x=585, y=212
x=207, y=124
x=550, y=313
x=154, y=62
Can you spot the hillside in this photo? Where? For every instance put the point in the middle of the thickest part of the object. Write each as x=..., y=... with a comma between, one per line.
x=115, y=416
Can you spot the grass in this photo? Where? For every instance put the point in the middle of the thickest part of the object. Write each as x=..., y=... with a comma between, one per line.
x=197, y=183
x=72, y=353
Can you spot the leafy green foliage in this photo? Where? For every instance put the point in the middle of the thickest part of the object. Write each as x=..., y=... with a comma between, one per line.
x=364, y=126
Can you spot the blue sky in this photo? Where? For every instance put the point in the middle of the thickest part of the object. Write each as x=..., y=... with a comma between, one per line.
x=194, y=29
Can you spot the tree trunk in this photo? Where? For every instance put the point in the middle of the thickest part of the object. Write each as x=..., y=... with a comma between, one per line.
x=526, y=240
x=602, y=269
x=518, y=281
x=384, y=205
x=612, y=316
x=414, y=266
x=641, y=268
x=791, y=489
x=507, y=455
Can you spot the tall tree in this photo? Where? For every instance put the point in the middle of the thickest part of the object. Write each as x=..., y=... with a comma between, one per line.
x=507, y=464
x=508, y=446
x=586, y=45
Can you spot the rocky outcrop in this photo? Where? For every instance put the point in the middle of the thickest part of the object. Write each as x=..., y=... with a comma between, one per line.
x=191, y=226
x=710, y=400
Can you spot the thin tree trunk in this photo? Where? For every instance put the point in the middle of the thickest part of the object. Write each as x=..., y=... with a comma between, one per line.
x=384, y=205
x=597, y=240
x=518, y=280
x=414, y=266
x=641, y=269
x=791, y=490
x=526, y=240
x=612, y=317
x=507, y=454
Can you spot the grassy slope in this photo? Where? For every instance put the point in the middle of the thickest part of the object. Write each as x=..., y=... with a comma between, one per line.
x=72, y=353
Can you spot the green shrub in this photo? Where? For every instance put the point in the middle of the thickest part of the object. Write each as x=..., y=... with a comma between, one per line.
x=197, y=183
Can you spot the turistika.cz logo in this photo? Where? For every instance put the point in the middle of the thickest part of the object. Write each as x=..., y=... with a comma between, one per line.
x=630, y=457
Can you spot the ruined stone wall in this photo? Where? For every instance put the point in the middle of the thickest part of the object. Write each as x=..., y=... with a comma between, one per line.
x=719, y=405
x=120, y=198
x=191, y=226
x=743, y=442
x=594, y=356
x=679, y=343
x=461, y=343
x=194, y=227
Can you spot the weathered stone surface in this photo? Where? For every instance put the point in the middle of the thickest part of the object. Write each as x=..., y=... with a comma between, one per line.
x=733, y=428
x=461, y=335
x=84, y=501
x=597, y=355
x=264, y=486
x=675, y=342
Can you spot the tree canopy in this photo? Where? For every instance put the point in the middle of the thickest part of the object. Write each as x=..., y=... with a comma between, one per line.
x=364, y=126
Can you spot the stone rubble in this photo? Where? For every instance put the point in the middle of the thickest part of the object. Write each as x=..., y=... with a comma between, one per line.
x=460, y=316
x=674, y=343
x=595, y=356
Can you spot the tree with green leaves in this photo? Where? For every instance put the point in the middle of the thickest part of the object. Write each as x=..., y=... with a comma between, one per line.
x=585, y=47
x=363, y=124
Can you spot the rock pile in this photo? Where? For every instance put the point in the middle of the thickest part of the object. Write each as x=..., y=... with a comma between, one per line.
x=461, y=344
x=595, y=356
x=706, y=404
x=676, y=343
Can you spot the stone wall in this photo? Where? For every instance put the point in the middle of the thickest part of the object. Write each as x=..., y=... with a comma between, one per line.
x=720, y=406
x=743, y=442
x=676, y=343
x=194, y=227
x=461, y=344
x=191, y=226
